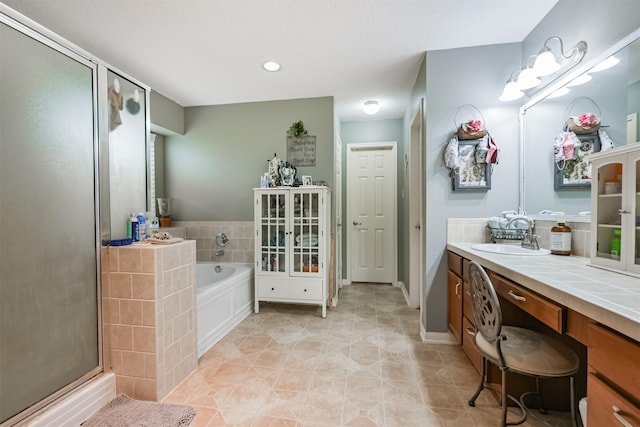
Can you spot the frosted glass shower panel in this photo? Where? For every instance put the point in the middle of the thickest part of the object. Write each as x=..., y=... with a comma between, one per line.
x=127, y=151
x=48, y=260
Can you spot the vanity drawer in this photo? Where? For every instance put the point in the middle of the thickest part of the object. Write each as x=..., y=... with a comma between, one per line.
x=541, y=308
x=606, y=407
x=310, y=289
x=273, y=288
x=615, y=358
x=468, y=344
x=454, y=262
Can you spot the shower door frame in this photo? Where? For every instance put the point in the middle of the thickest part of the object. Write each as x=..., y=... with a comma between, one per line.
x=40, y=34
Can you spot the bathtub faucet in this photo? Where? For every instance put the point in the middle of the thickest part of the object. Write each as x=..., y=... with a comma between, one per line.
x=220, y=252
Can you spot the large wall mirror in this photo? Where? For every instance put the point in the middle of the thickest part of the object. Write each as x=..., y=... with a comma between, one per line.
x=613, y=93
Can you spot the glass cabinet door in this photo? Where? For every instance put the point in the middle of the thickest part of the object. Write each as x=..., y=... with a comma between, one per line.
x=610, y=212
x=635, y=215
x=305, y=214
x=273, y=231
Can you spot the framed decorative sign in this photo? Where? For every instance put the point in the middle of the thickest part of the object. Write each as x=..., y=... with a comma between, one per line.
x=474, y=173
x=301, y=151
x=576, y=173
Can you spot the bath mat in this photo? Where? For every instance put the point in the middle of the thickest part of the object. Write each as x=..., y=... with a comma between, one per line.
x=126, y=412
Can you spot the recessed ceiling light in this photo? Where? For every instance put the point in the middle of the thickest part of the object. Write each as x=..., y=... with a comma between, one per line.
x=371, y=107
x=271, y=66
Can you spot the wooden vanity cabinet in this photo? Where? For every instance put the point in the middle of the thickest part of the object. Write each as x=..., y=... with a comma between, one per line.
x=613, y=381
x=454, y=292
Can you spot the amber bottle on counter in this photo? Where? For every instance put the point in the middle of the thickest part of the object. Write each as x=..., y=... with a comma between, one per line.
x=561, y=237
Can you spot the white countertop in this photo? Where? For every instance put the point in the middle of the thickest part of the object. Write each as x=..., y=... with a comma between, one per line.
x=610, y=298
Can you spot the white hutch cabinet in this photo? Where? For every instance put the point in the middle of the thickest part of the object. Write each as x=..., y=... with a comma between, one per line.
x=615, y=219
x=291, y=245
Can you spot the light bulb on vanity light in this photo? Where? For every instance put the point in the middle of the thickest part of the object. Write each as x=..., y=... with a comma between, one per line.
x=545, y=64
x=605, y=65
x=527, y=79
x=511, y=91
x=371, y=107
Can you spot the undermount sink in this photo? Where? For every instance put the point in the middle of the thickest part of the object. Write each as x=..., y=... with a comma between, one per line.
x=498, y=248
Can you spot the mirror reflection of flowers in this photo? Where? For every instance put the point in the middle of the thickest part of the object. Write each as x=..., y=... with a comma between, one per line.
x=588, y=119
x=473, y=126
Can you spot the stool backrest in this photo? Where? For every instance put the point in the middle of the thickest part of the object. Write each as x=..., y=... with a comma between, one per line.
x=486, y=306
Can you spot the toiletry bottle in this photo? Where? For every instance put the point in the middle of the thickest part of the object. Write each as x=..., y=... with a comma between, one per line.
x=132, y=228
x=142, y=227
x=153, y=225
x=615, y=243
x=561, y=237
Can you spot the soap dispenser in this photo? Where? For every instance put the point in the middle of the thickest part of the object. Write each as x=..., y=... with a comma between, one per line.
x=560, y=237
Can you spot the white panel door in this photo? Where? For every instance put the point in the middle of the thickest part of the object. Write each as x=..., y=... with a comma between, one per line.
x=371, y=200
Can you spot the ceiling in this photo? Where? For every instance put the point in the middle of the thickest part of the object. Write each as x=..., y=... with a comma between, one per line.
x=210, y=52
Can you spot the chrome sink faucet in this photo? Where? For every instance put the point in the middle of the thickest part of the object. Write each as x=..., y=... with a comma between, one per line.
x=530, y=240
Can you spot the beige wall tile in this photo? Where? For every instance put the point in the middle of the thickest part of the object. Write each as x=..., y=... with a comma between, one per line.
x=170, y=257
x=120, y=285
x=111, y=310
x=122, y=337
x=104, y=283
x=113, y=258
x=143, y=286
x=180, y=325
x=148, y=260
x=171, y=306
x=150, y=366
x=132, y=364
x=179, y=279
x=130, y=260
x=144, y=339
x=130, y=312
x=145, y=389
x=148, y=313
x=186, y=299
x=124, y=385
x=116, y=361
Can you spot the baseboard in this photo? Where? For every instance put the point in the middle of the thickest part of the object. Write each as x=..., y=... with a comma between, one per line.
x=401, y=285
x=436, y=337
x=80, y=404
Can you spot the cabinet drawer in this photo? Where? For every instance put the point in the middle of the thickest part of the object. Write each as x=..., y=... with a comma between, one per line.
x=455, y=263
x=605, y=407
x=542, y=309
x=468, y=344
x=272, y=288
x=306, y=290
x=615, y=357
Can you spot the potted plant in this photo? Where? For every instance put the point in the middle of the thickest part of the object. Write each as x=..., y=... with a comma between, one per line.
x=296, y=130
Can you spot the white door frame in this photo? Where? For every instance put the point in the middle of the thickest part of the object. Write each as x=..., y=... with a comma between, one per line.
x=375, y=146
x=416, y=209
x=337, y=261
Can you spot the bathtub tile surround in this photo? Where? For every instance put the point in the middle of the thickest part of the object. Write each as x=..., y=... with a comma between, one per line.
x=240, y=233
x=149, y=303
x=474, y=230
x=364, y=365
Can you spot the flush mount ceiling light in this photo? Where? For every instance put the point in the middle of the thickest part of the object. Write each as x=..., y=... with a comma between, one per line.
x=371, y=107
x=605, y=65
x=271, y=66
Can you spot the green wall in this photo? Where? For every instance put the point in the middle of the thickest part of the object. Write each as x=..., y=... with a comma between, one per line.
x=211, y=169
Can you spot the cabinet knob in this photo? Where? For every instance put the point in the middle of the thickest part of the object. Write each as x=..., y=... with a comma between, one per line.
x=623, y=211
x=305, y=290
x=273, y=289
x=357, y=223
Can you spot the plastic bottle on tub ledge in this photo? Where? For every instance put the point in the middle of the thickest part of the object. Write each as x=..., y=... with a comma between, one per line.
x=142, y=227
x=560, y=237
x=132, y=228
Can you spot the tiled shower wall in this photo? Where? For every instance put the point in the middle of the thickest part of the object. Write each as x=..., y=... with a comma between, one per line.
x=474, y=230
x=149, y=306
x=240, y=233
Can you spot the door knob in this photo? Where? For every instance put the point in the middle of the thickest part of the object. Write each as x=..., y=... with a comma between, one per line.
x=418, y=227
x=357, y=223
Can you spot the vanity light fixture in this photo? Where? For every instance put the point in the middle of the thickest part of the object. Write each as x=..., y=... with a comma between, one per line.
x=546, y=63
x=371, y=107
x=511, y=91
x=605, y=65
x=271, y=66
x=581, y=79
x=560, y=92
x=527, y=79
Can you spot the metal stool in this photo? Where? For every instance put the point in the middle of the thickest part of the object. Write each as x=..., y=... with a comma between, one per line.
x=515, y=349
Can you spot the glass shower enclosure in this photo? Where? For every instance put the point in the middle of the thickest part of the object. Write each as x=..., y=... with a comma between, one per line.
x=49, y=229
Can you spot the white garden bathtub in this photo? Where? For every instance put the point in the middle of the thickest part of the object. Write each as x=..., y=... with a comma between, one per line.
x=225, y=298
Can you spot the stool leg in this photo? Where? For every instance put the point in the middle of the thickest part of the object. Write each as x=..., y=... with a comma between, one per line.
x=542, y=409
x=573, y=401
x=472, y=401
x=504, y=397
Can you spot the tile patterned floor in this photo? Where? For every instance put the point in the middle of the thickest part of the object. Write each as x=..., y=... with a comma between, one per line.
x=362, y=366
